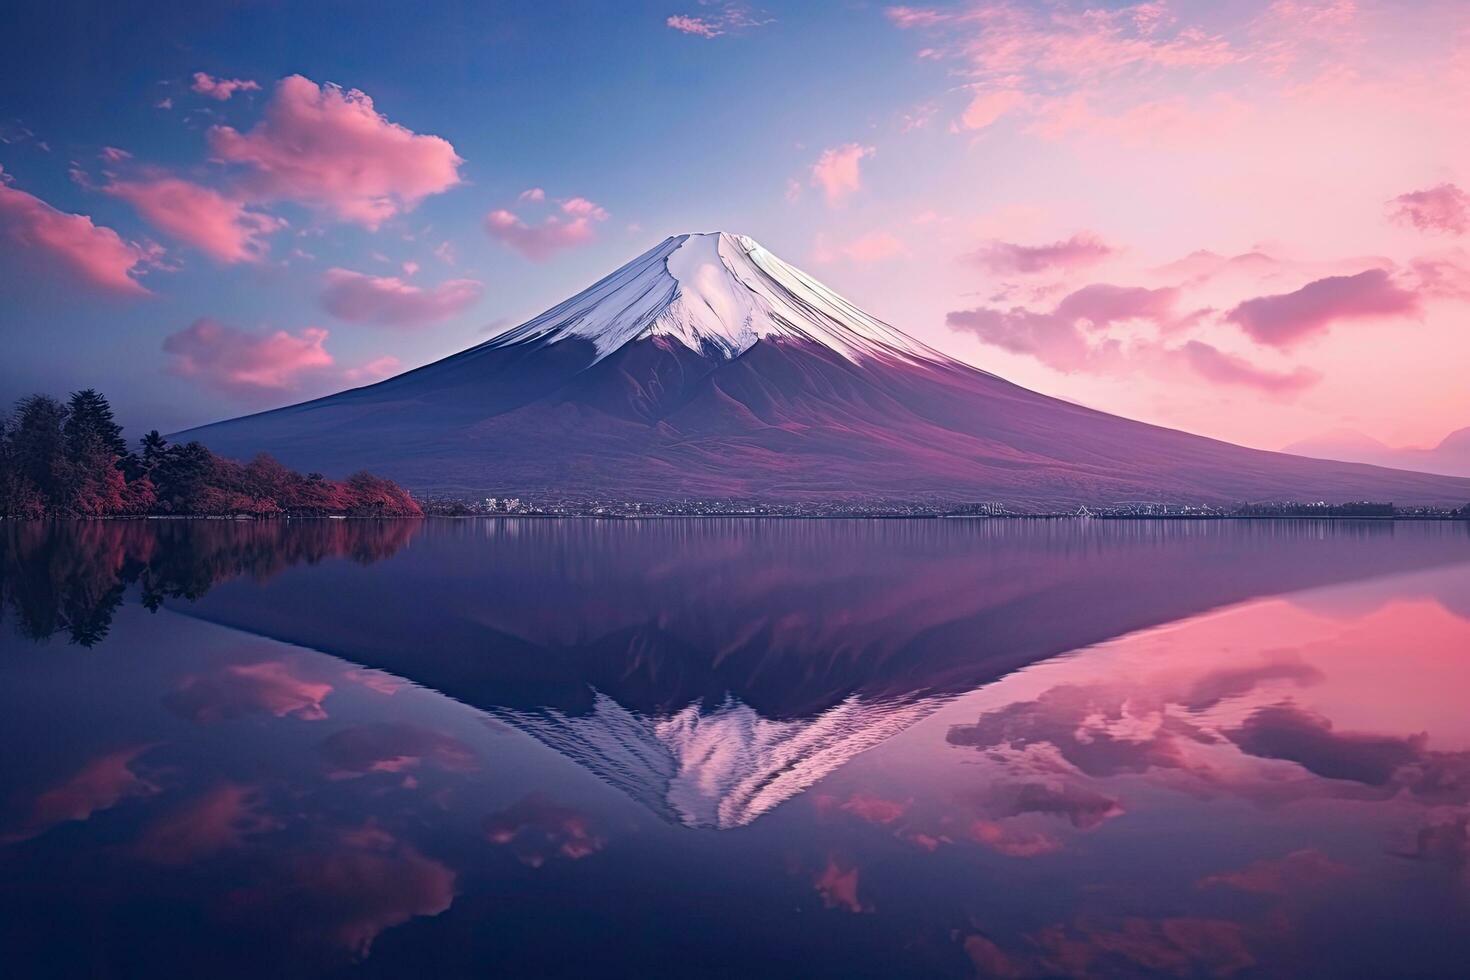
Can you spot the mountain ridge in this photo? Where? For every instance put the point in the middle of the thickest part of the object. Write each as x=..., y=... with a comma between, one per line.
x=708, y=368
x=1450, y=456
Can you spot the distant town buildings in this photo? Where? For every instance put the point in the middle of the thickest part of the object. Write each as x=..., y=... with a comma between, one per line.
x=1118, y=510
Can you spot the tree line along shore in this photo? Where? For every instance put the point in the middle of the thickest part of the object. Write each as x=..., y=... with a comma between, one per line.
x=70, y=459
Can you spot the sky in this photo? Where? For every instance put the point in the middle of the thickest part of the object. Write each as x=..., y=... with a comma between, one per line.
x=1248, y=219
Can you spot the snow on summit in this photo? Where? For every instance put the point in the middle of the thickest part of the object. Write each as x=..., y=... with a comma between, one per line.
x=720, y=765
x=715, y=293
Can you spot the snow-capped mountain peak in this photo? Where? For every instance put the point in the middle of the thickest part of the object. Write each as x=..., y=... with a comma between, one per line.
x=718, y=766
x=707, y=368
x=716, y=293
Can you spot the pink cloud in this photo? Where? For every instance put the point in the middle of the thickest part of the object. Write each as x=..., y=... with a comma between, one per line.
x=376, y=680
x=729, y=17
x=837, y=171
x=220, y=89
x=1083, y=808
x=874, y=809
x=918, y=118
x=393, y=747
x=908, y=18
x=1298, y=870
x=555, y=233
x=537, y=830
x=1134, y=946
x=1103, y=304
x=218, y=820
x=217, y=225
x=838, y=888
x=270, y=686
x=101, y=784
x=246, y=363
x=580, y=207
x=375, y=370
x=1286, y=318
x=1073, y=337
x=1052, y=340
x=1202, y=265
x=112, y=154
x=1444, y=208
x=1085, y=45
x=1004, y=837
x=1018, y=52
x=93, y=252
x=1067, y=339
x=535, y=194
x=1178, y=123
x=345, y=889
x=1082, y=249
x=693, y=25
x=389, y=300
x=1445, y=275
x=330, y=148
x=989, y=105
x=1220, y=367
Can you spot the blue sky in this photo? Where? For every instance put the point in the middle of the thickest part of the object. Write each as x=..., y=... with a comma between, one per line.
x=957, y=169
x=665, y=131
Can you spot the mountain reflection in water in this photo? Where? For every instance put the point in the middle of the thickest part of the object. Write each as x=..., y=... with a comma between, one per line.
x=1008, y=747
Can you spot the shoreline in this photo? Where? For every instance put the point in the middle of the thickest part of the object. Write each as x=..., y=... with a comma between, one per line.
x=248, y=519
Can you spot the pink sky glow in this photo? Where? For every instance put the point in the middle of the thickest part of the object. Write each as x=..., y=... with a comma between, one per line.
x=1249, y=220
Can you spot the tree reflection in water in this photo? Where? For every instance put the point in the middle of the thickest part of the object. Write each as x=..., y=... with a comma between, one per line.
x=70, y=577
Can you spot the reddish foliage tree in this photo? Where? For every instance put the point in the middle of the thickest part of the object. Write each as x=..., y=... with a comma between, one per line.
x=373, y=496
x=63, y=460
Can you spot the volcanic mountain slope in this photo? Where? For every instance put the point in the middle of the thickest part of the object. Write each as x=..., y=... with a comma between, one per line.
x=707, y=367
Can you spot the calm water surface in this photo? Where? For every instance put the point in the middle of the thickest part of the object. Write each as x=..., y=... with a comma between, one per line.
x=738, y=748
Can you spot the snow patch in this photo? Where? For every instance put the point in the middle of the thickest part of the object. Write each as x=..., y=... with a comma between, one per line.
x=717, y=294
x=719, y=767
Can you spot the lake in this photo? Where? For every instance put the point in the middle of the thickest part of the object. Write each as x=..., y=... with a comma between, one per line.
x=738, y=748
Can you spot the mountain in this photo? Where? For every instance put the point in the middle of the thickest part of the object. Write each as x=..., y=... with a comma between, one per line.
x=719, y=765
x=711, y=669
x=1450, y=457
x=707, y=367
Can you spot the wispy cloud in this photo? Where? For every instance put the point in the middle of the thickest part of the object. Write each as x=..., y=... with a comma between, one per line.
x=717, y=19
x=389, y=300
x=1444, y=208
x=220, y=89
x=573, y=224
x=1082, y=249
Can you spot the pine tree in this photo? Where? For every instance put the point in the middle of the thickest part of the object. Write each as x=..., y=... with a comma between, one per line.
x=153, y=446
x=90, y=417
x=182, y=478
x=18, y=495
x=96, y=457
x=38, y=446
